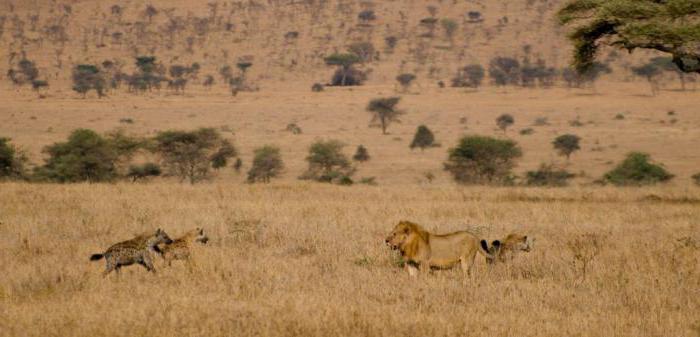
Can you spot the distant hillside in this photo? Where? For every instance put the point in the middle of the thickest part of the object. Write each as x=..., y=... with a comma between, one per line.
x=284, y=40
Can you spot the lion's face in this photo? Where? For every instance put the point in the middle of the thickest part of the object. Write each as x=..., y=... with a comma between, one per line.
x=524, y=243
x=399, y=235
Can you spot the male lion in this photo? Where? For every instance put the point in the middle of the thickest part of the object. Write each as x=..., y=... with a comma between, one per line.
x=506, y=249
x=423, y=250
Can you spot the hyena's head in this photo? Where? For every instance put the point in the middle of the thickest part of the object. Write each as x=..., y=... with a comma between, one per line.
x=160, y=237
x=200, y=236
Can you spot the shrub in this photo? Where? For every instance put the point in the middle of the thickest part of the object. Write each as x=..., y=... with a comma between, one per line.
x=367, y=16
x=470, y=76
x=650, y=72
x=566, y=144
x=267, y=164
x=12, y=160
x=327, y=163
x=449, y=26
x=391, y=42
x=527, y=131
x=294, y=128
x=26, y=73
x=547, y=175
x=482, y=160
x=423, y=138
x=189, y=154
x=637, y=170
x=405, y=81
x=317, y=87
x=86, y=156
x=143, y=171
x=220, y=158
x=87, y=77
x=361, y=154
x=504, y=71
x=384, y=112
x=504, y=121
x=696, y=178
x=237, y=165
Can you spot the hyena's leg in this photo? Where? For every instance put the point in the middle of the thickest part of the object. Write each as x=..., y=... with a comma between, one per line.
x=109, y=267
x=147, y=262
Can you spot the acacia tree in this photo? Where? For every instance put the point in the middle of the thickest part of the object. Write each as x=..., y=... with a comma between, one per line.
x=346, y=72
x=423, y=138
x=190, y=154
x=267, y=164
x=667, y=26
x=384, y=112
x=567, y=144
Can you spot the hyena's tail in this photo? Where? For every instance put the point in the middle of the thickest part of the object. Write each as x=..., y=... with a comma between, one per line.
x=95, y=257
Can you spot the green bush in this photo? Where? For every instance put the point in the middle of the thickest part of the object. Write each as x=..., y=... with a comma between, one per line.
x=327, y=163
x=85, y=156
x=547, y=175
x=482, y=160
x=267, y=164
x=12, y=161
x=423, y=138
x=637, y=170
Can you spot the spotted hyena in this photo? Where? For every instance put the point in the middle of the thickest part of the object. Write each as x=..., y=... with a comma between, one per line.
x=136, y=250
x=181, y=248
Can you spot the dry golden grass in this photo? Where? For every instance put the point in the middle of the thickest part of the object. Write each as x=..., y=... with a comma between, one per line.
x=308, y=260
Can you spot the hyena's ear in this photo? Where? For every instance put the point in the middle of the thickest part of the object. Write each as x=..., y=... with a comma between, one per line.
x=496, y=243
x=158, y=231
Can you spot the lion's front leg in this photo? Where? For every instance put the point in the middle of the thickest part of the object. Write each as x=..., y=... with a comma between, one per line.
x=412, y=269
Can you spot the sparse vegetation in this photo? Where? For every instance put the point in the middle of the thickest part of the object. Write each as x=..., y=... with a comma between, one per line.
x=405, y=81
x=483, y=160
x=87, y=77
x=470, y=76
x=637, y=170
x=346, y=74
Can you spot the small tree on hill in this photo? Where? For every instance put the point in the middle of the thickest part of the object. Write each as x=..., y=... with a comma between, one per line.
x=504, y=121
x=504, y=71
x=567, y=144
x=327, y=163
x=423, y=138
x=87, y=77
x=361, y=154
x=12, y=160
x=637, y=170
x=190, y=154
x=405, y=81
x=482, y=160
x=346, y=74
x=384, y=112
x=267, y=164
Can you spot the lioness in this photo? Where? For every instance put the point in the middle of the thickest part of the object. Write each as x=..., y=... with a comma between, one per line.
x=506, y=249
x=423, y=250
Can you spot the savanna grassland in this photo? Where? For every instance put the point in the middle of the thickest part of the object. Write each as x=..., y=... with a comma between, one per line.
x=302, y=258
x=309, y=260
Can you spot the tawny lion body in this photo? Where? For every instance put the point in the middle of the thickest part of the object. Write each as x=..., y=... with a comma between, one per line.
x=136, y=250
x=506, y=249
x=181, y=248
x=423, y=250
